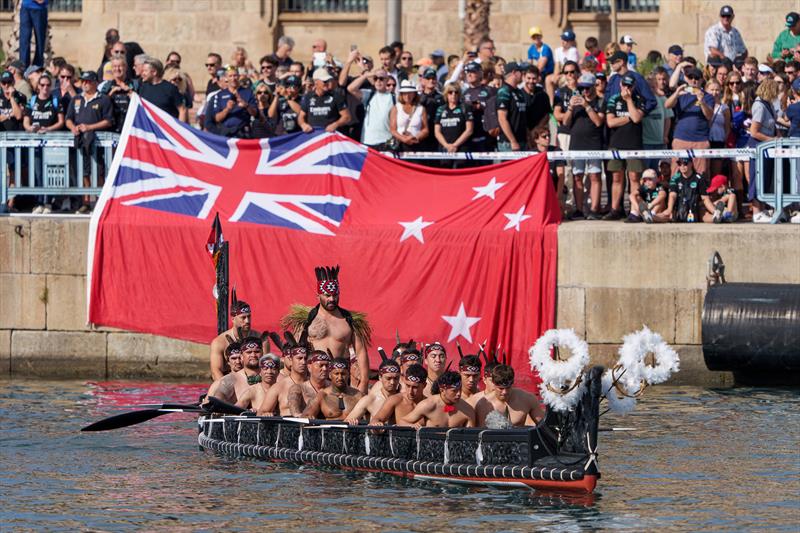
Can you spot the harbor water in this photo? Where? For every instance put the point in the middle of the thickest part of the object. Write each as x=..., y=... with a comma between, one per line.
x=699, y=459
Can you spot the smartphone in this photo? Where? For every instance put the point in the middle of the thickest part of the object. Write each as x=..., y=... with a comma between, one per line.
x=319, y=59
x=353, y=47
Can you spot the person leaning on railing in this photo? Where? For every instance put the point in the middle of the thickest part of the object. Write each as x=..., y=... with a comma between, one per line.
x=762, y=128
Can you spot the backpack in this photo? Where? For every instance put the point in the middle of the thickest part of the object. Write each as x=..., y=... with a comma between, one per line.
x=491, y=124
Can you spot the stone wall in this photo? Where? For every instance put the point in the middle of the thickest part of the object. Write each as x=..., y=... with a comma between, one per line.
x=612, y=279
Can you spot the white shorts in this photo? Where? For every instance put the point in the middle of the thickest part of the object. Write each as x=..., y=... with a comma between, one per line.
x=586, y=166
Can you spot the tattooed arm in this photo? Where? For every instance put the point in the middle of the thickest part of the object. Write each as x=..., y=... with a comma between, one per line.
x=294, y=399
x=313, y=408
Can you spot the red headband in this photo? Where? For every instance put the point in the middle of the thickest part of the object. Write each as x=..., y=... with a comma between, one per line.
x=329, y=287
x=316, y=357
x=388, y=369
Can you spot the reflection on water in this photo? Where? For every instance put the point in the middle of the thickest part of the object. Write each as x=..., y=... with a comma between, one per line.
x=700, y=459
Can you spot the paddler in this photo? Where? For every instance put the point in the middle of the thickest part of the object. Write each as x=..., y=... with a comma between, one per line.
x=335, y=401
x=241, y=317
x=230, y=387
x=330, y=327
x=270, y=366
x=444, y=408
x=408, y=358
x=470, y=369
x=286, y=397
x=488, y=386
x=518, y=407
x=399, y=405
x=435, y=360
x=388, y=385
x=233, y=355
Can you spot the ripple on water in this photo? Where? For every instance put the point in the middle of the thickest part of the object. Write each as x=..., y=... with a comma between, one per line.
x=719, y=459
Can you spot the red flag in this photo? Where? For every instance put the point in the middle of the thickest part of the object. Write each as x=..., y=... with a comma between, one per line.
x=439, y=255
x=214, y=240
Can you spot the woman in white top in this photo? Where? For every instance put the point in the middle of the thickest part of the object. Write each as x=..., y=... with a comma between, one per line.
x=719, y=125
x=408, y=121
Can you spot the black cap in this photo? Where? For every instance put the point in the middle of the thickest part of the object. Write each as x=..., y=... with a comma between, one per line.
x=684, y=160
x=6, y=76
x=429, y=73
x=693, y=73
x=17, y=64
x=628, y=80
x=675, y=49
x=472, y=67
x=89, y=75
x=726, y=11
x=600, y=75
x=618, y=56
x=511, y=66
x=791, y=19
x=714, y=61
x=291, y=81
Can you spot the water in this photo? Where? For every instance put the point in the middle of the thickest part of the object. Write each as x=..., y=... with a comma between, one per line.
x=701, y=459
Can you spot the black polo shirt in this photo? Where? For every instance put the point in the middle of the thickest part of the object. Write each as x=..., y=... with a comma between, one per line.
x=96, y=109
x=323, y=110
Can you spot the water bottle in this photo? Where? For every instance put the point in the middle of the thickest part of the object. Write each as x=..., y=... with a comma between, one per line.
x=690, y=217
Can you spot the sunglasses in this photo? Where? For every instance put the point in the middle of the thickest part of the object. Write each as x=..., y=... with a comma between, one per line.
x=266, y=67
x=692, y=77
x=209, y=65
x=734, y=82
x=568, y=72
x=544, y=136
x=65, y=77
x=44, y=85
x=683, y=163
x=406, y=58
x=262, y=92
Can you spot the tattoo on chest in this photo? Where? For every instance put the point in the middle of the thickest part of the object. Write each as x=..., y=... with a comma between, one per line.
x=318, y=328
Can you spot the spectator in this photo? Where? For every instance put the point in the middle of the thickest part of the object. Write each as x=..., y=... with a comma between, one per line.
x=693, y=109
x=117, y=50
x=386, y=57
x=624, y=114
x=44, y=113
x=750, y=69
x=319, y=46
x=685, y=189
x=12, y=103
x=437, y=57
x=586, y=118
x=285, y=47
x=719, y=124
x=619, y=65
x=600, y=85
x=213, y=64
x=405, y=69
x=118, y=90
x=32, y=74
x=86, y=114
x=285, y=108
x=721, y=75
x=626, y=45
x=719, y=202
x=478, y=95
x=652, y=204
x=378, y=103
x=453, y=122
x=537, y=104
x=511, y=112
x=408, y=120
x=160, y=93
x=593, y=50
x=789, y=39
x=567, y=51
x=262, y=125
x=138, y=66
x=397, y=48
x=174, y=60
x=762, y=128
x=178, y=79
x=540, y=139
x=242, y=64
x=430, y=99
x=722, y=39
x=793, y=110
x=539, y=53
x=268, y=71
x=561, y=104
x=20, y=83
x=656, y=125
x=486, y=49
x=66, y=84
x=202, y=123
x=54, y=66
x=32, y=19
x=323, y=108
x=230, y=110
x=791, y=70
x=299, y=70
x=674, y=58
x=764, y=72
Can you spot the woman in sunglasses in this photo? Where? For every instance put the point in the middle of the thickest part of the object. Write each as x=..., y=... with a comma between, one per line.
x=262, y=125
x=694, y=109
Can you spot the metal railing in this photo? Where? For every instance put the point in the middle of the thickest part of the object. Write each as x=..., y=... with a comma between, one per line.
x=323, y=6
x=604, y=6
x=49, y=164
x=783, y=155
x=62, y=6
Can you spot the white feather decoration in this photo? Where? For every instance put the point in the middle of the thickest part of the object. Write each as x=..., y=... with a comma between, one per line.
x=560, y=374
x=618, y=403
x=632, y=355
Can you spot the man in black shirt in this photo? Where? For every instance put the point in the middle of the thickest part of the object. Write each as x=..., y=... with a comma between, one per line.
x=12, y=104
x=285, y=107
x=160, y=93
x=431, y=99
x=323, y=108
x=511, y=112
x=87, y=113
x=537, y=104
x=476, y=96
x=118, y=90
x=213, y=63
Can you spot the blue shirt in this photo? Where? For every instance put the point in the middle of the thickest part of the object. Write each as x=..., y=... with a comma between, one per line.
x=631, y=61
x=534, y=55
x=642, y=87
x=793, y=114
x=238, y=116
x=30, y=4
x=690, y=122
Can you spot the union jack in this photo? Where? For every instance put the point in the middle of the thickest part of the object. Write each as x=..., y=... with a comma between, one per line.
x=171, y=167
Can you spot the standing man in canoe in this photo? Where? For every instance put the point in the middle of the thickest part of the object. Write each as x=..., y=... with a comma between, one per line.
x=241, y=317
x=330, y=327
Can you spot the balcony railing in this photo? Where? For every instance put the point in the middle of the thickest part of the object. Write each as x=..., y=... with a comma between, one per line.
x=323, y=6
x=604, y=6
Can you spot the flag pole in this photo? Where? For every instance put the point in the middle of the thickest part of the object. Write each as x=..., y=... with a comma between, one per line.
x=222, y=288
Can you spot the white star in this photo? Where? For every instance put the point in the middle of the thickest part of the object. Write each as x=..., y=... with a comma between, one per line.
x=489, y=189
x=460, y=324
x=414, y=229
x=514, y=219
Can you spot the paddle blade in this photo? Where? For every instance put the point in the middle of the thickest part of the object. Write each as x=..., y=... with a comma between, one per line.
x=125, y=419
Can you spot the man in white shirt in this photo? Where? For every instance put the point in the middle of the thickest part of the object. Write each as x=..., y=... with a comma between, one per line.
x=722, y=39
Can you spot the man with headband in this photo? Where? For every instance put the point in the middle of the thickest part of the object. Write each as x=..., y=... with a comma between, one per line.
x=444, y=408
x=388, y=385
x=336, y=401
x=470, y=369
x=270, y=366
x=330, y=327
x=410, y=357
x=488, y=386
x=411, y=394
x=233, y=356
x=241, y=317
x=230, y=387
x=435, y=361
x=519, y=407
x=286, y=397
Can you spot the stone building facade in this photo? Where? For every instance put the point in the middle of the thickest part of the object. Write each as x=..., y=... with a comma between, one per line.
x=195, y=27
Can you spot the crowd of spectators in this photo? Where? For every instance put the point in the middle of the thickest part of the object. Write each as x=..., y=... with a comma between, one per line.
x=555, y=98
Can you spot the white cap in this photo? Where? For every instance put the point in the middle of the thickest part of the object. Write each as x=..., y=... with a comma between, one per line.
x=764, y=69
x=627, y=39
x=407, y=86
x=322, y=74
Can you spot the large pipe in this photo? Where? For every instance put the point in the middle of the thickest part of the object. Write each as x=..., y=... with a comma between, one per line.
x=393, y=20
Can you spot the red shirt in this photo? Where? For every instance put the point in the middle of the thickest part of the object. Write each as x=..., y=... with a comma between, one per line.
x=601, y=60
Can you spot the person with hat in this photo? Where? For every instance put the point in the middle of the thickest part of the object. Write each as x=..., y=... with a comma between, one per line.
x=377, y=103
x=388, y=385
x=477, y=93
x=438, y=60
x=323, y=107
x=431, y=100
x=270, y=366
x=17, y=69
x=408, y=120
x=398, y=406
x=568, y=51
x=619, y=66
x=652, y=199
x=12, y=104
x=285, y=107
x=539, y=53
x=337, y=400
x=722, y=39
x=444, y=408
x=624, y=114
x=789, y=39
x=518, y=407
x=241, y=319
x=685, y=189
x=674, y=58
x=626, y=43
x=586, y=119
x=511, y=108
x=694, y=110
x=719, y=201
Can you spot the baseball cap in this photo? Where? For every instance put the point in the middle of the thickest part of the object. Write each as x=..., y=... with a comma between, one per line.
x=6, y=76
x=511, y=66
x=693, y=73
x=437, y=53
x=380, y=73
x=322, y=74
x=726, y=11
x=601, y=76
x=796, y=84
x=586, y=80
x=627, y=39
x=472, y=67
x=429, y=73
x=568, y=35
x=535, y=30
x=675, y=49
x=649, y=174
x=17, y=64
x=89, y=75
x=407, y=86
x=684, y=160
x=292, y=81
x=628, y=80
x=764, y=69
x=618, y=56
x=31, y=69
x=716, y=182
x=791, y=19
